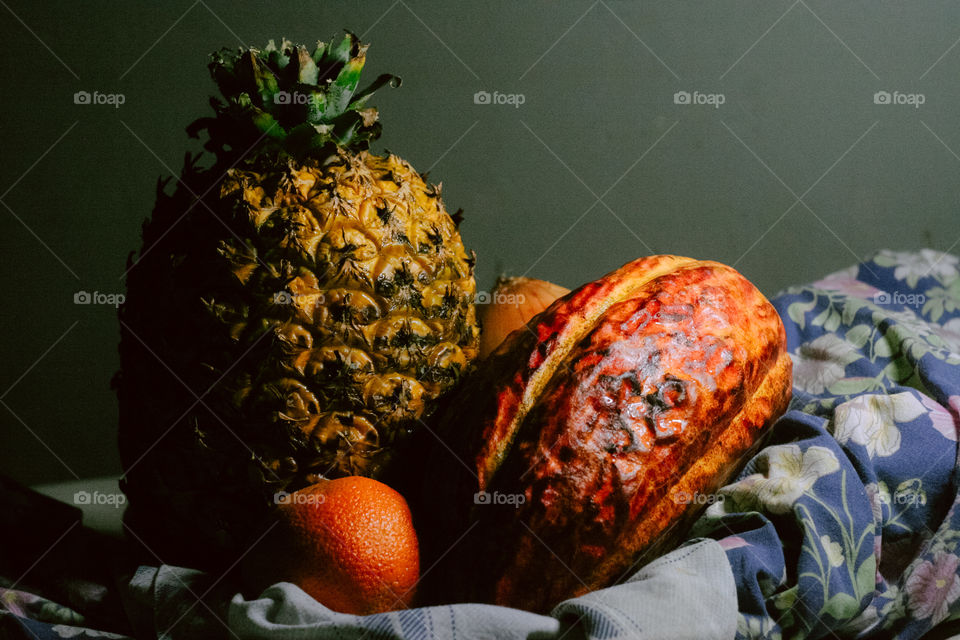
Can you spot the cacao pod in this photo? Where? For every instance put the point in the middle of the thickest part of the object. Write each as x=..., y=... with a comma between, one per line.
x=580, y=446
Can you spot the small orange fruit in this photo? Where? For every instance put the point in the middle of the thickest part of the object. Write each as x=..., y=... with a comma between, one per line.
x=349, y=543
x=513, y=302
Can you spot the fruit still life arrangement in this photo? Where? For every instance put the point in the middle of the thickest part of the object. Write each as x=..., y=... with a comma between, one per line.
x=311, y=388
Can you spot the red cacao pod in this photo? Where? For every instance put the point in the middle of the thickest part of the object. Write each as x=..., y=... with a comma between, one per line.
x=575, y=453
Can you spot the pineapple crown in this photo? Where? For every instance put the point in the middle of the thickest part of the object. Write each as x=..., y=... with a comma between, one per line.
x=307, y=104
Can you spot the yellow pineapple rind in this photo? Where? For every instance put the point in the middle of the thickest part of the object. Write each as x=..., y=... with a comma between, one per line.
x=335, y=305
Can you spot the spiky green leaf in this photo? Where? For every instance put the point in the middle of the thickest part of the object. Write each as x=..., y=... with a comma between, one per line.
x=308, y=103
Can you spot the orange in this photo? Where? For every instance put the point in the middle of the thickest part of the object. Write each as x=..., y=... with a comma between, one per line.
x=349, y=543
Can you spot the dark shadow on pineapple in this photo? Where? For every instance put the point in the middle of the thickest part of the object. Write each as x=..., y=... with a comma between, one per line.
x=317, y=299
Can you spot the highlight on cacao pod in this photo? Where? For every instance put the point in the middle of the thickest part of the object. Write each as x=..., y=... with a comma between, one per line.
x=512, y=303
x=578, y=443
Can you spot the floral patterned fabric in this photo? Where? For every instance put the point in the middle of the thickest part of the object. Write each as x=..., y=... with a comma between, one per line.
x=847, y=523
x=28, y=615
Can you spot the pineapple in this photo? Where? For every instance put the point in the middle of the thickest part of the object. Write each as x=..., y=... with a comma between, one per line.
x=296, y=311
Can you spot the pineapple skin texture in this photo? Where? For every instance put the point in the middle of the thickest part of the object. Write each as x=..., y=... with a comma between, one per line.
x=299, y=321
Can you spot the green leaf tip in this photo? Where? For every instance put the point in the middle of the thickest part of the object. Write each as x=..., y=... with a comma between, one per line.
x=307, y=102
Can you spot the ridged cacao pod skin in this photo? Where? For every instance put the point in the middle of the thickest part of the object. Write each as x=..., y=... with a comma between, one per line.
x=594, y=426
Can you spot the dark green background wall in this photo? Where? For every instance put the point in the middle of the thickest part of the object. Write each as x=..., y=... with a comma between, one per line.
x=798, y=173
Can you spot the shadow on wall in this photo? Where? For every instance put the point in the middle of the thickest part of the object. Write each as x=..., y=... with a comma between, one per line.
x=787, y=139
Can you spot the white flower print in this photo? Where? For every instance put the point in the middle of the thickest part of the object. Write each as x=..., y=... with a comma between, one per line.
x=911, y=266
x=833, y=549
x=785, y=473
x=821, y=362
x=871, y=420
x=949, y=333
